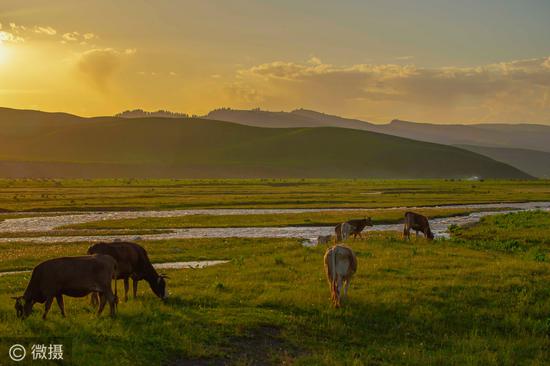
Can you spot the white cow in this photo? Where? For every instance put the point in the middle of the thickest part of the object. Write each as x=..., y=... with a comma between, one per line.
x=340, y=265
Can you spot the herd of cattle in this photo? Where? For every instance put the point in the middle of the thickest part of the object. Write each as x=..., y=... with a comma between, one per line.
x=90, y=274
x=93, y=273
x=340, y=261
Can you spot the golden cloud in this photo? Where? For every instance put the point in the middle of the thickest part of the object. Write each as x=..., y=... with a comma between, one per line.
x=45, y=30
x=98, y=66
x=507, y=91
x=70, y=36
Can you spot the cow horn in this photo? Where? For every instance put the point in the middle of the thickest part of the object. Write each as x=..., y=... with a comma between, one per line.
x=17, y=297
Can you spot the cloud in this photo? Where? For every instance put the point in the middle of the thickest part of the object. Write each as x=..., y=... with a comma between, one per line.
x=88, y=36
x=507, y=91
x=9, y=37
x=98, y=66
x=130, y=51
x=45, y=30
x=16, y=28
x=71, y=36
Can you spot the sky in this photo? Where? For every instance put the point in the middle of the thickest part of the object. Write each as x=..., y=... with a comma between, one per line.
x=428, y=60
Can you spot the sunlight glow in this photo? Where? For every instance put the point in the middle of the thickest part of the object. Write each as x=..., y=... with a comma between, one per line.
x=3, y=53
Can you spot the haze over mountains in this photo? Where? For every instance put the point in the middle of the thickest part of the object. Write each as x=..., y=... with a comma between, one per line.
x=39, y=144
x=520, y=145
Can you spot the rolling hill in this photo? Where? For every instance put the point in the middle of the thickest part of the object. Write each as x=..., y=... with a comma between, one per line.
x=535, y=163
x=39, y=144
x=521, y=136
x=518, y=136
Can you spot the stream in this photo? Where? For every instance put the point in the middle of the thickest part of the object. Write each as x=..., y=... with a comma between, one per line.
x=308, y=233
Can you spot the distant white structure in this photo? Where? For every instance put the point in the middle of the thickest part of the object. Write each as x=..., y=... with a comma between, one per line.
x=474, y=178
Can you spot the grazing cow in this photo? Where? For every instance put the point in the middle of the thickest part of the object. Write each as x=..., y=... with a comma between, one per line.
x=355, y=227
x=323, y=239
x=417, y=223
x=342, y=232
x=71, y=276
x=340, y=265
x=132, y=262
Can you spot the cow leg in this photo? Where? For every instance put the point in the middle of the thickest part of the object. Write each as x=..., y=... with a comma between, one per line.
x=416, y=234
x=112, y=302
x=126, y=288
x=61, y=305
x=334, y=293
x=47, y=306
x=101, y=303
x=338, y=292
x=94, y=299
x=134, y=287
x=346, y=288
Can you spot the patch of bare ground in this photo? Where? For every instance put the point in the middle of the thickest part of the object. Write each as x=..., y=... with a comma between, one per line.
x=262, y=346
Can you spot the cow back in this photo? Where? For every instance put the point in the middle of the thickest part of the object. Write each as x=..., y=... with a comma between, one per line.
x=75, y=276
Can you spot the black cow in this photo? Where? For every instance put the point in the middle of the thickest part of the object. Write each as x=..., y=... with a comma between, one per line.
x=357, y=226
x=132, y=262
x=71, y=276
x=417, y=223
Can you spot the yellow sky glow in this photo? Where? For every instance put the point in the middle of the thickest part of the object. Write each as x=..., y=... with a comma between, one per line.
x=152, y=61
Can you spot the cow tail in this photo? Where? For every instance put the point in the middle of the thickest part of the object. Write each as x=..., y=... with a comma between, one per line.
x=116, y=293
x=333, y=274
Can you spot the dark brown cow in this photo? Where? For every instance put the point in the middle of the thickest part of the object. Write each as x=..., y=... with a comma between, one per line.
x=356, y=227
x=133, y=262
x=71, y=276
x=417, y=223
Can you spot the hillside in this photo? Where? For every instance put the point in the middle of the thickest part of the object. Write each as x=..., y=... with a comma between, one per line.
x=535, y=163
x=522, y=136
x=38, y=144
x=296, y=118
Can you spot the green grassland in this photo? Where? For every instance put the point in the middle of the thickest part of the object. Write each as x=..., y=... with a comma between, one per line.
x=325, y=218
x=445, y=302
x=38, y=144
x=137, y=194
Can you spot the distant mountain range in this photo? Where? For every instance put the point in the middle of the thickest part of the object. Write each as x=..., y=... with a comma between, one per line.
x=39, y=144
x=520, y=145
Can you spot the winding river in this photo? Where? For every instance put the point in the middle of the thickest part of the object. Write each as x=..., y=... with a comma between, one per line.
x=308, y=233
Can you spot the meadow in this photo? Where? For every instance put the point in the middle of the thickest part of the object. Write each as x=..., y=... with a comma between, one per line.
x=164, y=194
x=479, y=298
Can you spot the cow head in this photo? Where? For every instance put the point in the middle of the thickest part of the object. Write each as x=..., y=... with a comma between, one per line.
x=23, y=308
x=430, y=235
x=159, y=287
x=368, y=220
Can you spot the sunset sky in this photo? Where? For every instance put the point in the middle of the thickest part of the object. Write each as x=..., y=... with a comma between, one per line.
x=429, y=60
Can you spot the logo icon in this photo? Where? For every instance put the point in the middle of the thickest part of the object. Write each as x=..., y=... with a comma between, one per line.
x=17, y=352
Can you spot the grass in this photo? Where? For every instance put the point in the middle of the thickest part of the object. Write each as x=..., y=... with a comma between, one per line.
x=479, y=298
x=137, y=194
x=527, y=233
x=411, y=303
x=263, y=220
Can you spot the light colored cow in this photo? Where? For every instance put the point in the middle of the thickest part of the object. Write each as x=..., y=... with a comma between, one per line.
x=343, y=231
x=340, y=265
